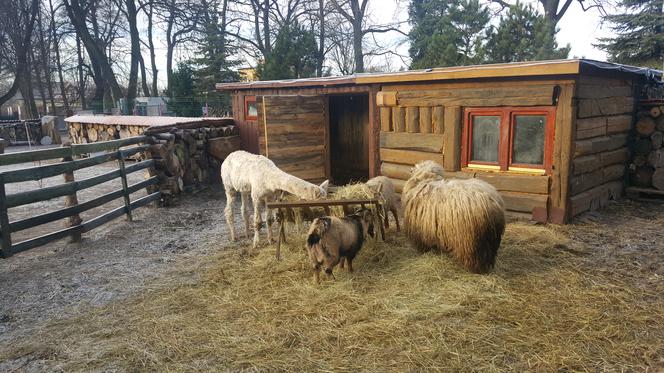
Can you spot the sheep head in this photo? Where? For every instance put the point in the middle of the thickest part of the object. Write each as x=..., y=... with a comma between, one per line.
x=317, y=191
x=367, y=221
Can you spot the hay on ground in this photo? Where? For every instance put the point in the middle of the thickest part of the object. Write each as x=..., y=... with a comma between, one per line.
x=552, y=304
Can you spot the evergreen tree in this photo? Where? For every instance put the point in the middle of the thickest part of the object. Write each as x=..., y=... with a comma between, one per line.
x=523, y=35
x=640, y=34
x=183, y=99
x=446, y=33
x=293, y=56
x=213, y=64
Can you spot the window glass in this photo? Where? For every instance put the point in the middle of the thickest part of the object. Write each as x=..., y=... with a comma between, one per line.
x=485, y=138
x=529, y=139
x=252, y=110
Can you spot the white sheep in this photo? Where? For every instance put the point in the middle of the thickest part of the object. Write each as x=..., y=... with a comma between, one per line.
x=463, y=217
x=384, y=189
x=253, y=174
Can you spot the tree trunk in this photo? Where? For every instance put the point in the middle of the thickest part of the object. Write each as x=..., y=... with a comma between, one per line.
x=22, y=54
x=132, y=86
x=58, y=62
x=144, y=78
x=95, y=51
x=321, y=38
x=81, y=82
x=153, y=58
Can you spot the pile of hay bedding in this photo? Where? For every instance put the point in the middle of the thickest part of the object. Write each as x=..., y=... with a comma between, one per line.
x=557, y=301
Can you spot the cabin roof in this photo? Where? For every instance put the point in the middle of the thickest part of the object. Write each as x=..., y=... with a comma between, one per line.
x=134, y=120
x=501, y=70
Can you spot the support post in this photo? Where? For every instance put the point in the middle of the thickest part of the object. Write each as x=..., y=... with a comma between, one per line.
x=125, y=188
x=71, y=200
x=6, y=246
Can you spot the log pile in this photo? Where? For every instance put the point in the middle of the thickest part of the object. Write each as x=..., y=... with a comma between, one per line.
x=647, y=166
x=84, y=133
x=188, y=158
x=15, y=131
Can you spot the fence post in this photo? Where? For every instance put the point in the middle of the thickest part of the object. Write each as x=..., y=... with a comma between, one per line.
x=6, y=247
x=71, y=200
x=125, y=188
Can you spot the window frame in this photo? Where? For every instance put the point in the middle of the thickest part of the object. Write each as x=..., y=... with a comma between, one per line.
x=506, y=139
x=248, y=100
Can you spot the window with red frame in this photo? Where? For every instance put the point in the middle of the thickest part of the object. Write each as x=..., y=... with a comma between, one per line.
x=250, y=108
x=508, y=138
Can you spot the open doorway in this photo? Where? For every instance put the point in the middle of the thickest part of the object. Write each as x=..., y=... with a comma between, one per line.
x=349, y=138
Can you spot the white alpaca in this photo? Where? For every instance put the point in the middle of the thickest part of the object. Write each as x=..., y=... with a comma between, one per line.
x=250, y=173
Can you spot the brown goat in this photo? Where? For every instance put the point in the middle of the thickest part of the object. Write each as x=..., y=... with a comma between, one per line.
x=331, y=239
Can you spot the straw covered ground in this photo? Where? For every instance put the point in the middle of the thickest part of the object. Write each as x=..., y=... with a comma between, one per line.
x=585, y=297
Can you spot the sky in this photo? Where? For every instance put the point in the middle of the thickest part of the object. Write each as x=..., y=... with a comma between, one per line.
x=578, y=28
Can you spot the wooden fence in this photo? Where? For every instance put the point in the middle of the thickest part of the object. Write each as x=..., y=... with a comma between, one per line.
x=69, y=188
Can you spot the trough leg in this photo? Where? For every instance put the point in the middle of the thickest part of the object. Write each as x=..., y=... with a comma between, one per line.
x=279, y=239
x=257, y=219
x=268, y=221
x=245, y=213
x=230, y=200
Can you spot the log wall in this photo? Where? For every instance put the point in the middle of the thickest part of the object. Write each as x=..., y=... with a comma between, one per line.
x=424, y=121
x=604, y=117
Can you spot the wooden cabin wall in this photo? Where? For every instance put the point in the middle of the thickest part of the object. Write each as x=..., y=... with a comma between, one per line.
x=250, y=129
x=424, y=122
x=604, y=117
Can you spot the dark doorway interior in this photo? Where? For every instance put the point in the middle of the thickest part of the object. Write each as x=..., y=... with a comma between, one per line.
x=349, y=142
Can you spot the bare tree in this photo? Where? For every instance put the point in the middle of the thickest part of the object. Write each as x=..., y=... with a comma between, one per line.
x=355, y=12
x=17, y=23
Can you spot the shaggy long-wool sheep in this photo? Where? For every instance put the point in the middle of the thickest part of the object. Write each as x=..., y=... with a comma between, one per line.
x=384, y=188
x=253, y=174
x=332, y=239
x=463, y=217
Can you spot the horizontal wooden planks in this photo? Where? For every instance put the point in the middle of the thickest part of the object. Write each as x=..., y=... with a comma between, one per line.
x=408, y=157
x=533, y=184
x=596, y=197
x=432, y=143
x=42, y=172
x=592, y=162
x=602, y=107
x=600, y=144
x=532, y=95
x=524, y=202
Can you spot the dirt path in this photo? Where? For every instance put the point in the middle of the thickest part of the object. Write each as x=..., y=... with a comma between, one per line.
x=113, y=261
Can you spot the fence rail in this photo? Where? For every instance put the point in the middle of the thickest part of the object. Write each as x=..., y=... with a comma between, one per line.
x=69, y=188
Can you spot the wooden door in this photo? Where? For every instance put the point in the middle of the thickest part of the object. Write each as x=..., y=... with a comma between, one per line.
x=292, y=132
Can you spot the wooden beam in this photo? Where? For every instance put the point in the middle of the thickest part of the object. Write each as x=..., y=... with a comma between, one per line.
x=524, y=202
x=437, y=119
x=78, y=149
x=34, y=155
x=563, y=148
x=5, y=230
x=385, y=119
x=412, y=141
x=408, y=157
x=516, y=183
x=425, y=119
x=567, y=67
x=81, y=207
x=395, y=171
x=412, y=119
x=386, y=98
x=42, y=172
x=399, y=119
x=452, y=144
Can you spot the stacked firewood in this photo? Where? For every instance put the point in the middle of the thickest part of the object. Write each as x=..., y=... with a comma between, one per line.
x=83, y=133
x=14, y=131
x=648, y=153
x=186, y=159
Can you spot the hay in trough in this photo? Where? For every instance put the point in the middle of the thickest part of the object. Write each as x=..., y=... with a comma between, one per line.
x=553, y=303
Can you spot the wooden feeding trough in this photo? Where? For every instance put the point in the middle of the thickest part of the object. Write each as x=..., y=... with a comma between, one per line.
x=284, y=208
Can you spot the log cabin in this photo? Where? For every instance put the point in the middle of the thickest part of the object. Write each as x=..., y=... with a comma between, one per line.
x=551, y=136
